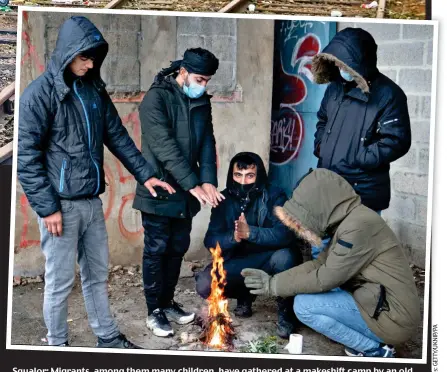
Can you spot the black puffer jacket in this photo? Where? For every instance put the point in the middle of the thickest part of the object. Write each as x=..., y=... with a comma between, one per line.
x=178, y=141
x=63, y=129
x=268, y=233
x=362, y=126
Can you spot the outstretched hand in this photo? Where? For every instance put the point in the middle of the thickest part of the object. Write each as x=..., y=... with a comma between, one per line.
x=213, y=195
x=257, y=281
x=201, y=195
x=153, y=182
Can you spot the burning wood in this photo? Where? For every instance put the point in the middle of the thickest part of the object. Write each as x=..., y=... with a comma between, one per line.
x=218, y=331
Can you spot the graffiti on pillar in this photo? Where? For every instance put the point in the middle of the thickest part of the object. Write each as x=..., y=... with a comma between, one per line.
x=292, y=74
x=295, y=98
x=25, y=240
x=285, y=136
x=31, y=51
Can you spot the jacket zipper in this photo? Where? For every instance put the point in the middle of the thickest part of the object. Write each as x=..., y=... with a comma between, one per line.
x=380, y=125
x=189, y=128
x=89, y=137
x=330, y=129
x=61, y=181
x=261, y=210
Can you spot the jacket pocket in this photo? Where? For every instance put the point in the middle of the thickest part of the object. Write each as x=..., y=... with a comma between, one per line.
x=62, y=176
x=372, y=298
x=66, y=206
x=342, y=248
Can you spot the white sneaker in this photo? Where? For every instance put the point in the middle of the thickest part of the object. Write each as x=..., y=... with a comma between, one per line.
x=159, y=324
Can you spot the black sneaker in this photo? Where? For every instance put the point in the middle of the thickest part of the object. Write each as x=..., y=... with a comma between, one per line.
x=65, y=344
x=287, y=320
x=119, y=342
x=176, y=314
x=243, y=308
x=159, y=324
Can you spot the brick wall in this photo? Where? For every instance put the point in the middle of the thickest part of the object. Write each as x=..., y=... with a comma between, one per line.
x=121, y=69
x=217, y=35
x=140, y=46
x=405, y=55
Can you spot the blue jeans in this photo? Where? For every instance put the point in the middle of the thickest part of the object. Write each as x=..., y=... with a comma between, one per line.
x=83, y=234
x=335, y=315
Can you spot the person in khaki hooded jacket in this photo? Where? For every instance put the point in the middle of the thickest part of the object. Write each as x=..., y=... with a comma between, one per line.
x=360, y=290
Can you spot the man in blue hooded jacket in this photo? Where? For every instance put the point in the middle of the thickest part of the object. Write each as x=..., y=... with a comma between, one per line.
x=363, y=121
x=65, y=119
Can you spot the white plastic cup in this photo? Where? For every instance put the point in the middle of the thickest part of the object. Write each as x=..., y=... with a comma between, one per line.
x=295, y=345
x=251, y=8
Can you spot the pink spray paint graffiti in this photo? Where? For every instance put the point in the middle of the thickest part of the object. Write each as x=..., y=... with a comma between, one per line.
x=31, y=53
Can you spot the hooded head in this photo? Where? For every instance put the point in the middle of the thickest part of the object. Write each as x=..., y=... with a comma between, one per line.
x=353, y=50
x=245, y=161
x=77, y=37
x=318, y=205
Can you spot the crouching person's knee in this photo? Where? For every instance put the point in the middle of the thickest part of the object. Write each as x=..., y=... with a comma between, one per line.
x=282, y=260
x=203, y=284
x=302, y=304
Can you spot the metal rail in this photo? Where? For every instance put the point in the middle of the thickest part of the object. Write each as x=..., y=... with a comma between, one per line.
x=6, y=116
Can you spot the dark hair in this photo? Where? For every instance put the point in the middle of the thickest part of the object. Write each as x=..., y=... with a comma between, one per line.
x=244, y=162
x=92, y=53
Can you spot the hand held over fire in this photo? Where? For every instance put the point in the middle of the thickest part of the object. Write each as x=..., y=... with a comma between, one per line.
x=213, y=195
x=258, y=281
x=155, y=182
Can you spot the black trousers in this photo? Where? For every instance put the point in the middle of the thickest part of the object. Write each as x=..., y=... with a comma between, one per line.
x=166, y=240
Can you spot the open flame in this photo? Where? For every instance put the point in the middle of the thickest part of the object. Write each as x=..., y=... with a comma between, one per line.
x=219, y=332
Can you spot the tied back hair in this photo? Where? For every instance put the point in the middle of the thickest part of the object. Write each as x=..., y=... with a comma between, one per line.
x=174, y=67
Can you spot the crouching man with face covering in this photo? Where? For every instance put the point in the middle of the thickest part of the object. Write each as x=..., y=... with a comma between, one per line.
x=377, y=305
x=178, y=141
x=250, y=235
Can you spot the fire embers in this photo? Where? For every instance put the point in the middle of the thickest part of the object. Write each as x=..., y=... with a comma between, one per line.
x=218, y=332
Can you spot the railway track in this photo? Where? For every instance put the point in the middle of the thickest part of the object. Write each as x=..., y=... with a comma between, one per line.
x=6, y=123
x=348, y=8
x=8, y=44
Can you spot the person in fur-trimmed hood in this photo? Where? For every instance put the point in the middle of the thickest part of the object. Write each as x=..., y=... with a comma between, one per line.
x=360, y=290
x=363, y=121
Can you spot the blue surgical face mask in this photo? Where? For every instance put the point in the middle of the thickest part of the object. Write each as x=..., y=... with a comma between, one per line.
x=346, y=75
x=193, y=90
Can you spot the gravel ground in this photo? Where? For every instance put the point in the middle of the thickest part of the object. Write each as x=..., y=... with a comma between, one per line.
x=6, y=130
x=128, y=305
